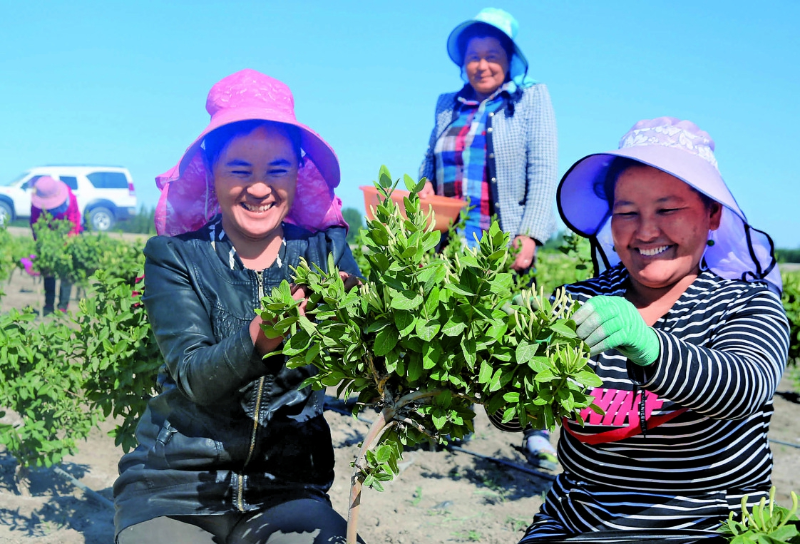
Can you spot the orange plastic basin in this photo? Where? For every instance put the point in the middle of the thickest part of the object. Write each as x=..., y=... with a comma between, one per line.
x=445, y=209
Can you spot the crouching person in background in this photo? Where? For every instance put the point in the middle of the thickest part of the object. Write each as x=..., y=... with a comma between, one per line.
x=56, y=199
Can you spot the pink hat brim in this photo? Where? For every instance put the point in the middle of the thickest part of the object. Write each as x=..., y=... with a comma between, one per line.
x=51, y=202
x=312, y=143
x=187, y=203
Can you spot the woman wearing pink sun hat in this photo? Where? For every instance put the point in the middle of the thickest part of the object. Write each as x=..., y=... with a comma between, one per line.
x=231, y=450
x=54, y=197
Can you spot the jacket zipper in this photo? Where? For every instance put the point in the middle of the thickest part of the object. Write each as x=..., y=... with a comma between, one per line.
x=240, y=494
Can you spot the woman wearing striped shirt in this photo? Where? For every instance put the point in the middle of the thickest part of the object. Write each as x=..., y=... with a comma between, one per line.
x=687, y=333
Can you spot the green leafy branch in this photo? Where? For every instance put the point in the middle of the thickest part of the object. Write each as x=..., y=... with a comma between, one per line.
x=768, y=523
x=427, y=336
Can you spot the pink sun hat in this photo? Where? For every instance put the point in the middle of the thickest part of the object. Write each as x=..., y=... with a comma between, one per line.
x=736, y=250
x=187, y=199
x=49, y=193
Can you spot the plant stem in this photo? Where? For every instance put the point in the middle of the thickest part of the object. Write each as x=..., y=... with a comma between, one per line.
x=375, y=376
x=375, y=431
x=415, y=396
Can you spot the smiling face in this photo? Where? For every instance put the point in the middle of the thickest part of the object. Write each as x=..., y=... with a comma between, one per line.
x=255, y=178
x=486, y=65
x=660, y=226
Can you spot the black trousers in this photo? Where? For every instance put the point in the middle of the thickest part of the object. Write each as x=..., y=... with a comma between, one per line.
x=303, y=521
x=64, y=294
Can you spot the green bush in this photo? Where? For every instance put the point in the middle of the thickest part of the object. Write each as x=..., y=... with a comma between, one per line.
x=570, y=263
x=791, y=303
x=64, y=375
x=114, y=345
x=12, y=249
x=77, y=257
x=42, y=383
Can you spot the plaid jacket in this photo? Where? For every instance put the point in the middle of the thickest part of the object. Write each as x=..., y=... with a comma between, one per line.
x=522, y=151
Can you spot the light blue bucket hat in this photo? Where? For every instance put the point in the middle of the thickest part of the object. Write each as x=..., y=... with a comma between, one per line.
x=504, y=22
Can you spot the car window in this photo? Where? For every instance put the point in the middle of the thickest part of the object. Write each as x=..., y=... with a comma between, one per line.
x=16, y=179
x=71, y=181
x=108, y=180
x=29, y=184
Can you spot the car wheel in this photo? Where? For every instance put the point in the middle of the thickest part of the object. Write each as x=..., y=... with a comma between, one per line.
x=101, y=219
x=6, y=213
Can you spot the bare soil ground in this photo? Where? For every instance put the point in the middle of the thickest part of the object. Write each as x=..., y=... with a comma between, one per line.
x=439, y=497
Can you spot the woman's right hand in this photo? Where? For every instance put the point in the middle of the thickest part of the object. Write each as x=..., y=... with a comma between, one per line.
x=427, y=191
x=607, y=322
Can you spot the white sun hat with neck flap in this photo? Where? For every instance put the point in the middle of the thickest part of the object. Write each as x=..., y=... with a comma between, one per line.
x=736, y=250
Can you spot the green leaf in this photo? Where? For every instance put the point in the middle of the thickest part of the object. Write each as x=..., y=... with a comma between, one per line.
x=511, y=396
x=415, y=368
x=432, y=302
x=468, y=259
x=495, y=403
x=460, y=289
x=405, y=322
x=540, y=364
x=429, y=241
x=378, y=325
x=486, y=372
x=469, y=348
x=427, y=330
x=545, y=376
x=385, y=341
x=563, y=329
x=383, y=453
x=406, y=300
x=503, y=284
x=384, y=177
x=494, y=384
x=431, y=356
x=589, y=379
x=439, y=418
x=455, y=325
x=410, y=183
x=509, y=414
x=525, y=352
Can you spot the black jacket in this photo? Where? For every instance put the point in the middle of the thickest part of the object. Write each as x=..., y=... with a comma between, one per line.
x=229, y=430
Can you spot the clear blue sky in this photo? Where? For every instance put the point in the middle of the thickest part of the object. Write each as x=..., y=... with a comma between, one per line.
x=125, y=83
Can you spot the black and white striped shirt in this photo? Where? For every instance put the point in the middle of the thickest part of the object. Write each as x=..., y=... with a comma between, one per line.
x=708, y=403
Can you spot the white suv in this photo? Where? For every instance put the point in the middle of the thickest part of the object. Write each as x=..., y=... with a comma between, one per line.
x=105, y=193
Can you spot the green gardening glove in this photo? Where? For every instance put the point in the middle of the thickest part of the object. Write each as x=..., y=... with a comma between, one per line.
x=614, y=323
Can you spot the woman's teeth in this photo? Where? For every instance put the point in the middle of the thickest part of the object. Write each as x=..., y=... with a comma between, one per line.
x=257, y=209
x=653, y=251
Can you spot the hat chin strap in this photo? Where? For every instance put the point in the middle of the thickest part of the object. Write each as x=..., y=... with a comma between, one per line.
x=205, y=210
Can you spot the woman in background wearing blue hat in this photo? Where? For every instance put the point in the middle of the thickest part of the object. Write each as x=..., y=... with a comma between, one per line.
x=494, y=145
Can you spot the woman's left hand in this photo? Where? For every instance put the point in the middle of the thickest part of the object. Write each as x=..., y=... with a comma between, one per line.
x=526, y=255
x=301, y=293
x=349, y=280
x=614, y=323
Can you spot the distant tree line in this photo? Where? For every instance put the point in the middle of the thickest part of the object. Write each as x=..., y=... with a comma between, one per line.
x=788, y=255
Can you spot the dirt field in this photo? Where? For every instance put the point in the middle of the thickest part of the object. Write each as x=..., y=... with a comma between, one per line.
x=439, y=497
